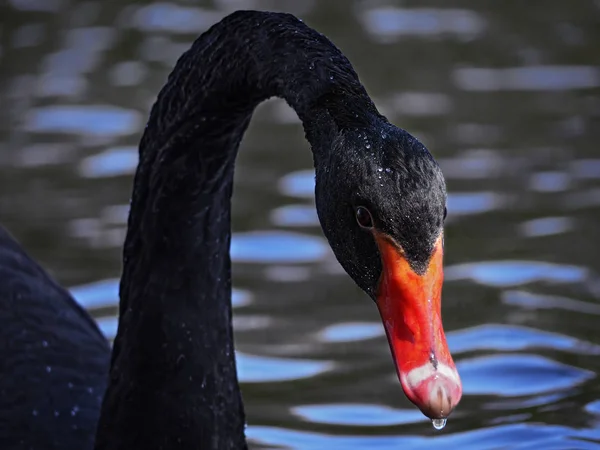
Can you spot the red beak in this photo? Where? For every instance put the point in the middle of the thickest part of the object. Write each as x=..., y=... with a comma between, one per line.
x=410, y=308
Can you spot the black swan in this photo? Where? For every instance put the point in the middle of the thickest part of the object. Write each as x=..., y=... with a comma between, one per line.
x=380, y=198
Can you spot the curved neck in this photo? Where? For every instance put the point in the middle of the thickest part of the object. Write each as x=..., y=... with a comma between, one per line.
x=173, y=377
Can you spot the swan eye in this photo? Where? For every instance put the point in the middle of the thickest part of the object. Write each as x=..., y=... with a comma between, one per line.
x=363, y=217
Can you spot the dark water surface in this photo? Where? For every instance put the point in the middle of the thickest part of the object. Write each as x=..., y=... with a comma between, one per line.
x=506, y=96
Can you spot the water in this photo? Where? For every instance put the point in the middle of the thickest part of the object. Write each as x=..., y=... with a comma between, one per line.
x=439, y=424
x=506, y=98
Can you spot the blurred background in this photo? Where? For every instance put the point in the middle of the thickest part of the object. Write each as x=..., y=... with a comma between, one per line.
x=506, y=95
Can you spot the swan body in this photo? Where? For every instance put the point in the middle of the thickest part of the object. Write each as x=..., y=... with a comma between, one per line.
x=53, y=359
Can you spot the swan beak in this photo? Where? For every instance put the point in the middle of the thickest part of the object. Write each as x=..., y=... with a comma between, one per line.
x=410, y=307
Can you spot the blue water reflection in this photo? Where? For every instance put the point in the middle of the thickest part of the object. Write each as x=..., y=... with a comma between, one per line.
x=515, y=273
x=173, y=18
x=517, y=374
x=463, y=203
x=388, y=24
x=474, y=164
x=277, y=247
x=546, y=226
x=585, y=169
x=91, y=120
x=593, y=407
x=351, y=331
x=514, y=338
x=108, y=326
x=519, y=403
x=295, y=216
x=532, y=78
x=551, y=181
x=112, y=162
x=298, y=184
x=357, y=414
x=514, y=436
x=531, y=300
x=263, y=369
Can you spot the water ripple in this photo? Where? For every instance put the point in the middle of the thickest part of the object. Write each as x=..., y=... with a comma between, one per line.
x=549, y=181
x=465, y=203
x=295, y=216
x=421, y=104
x=287, y=274
x=546, y=226
x=515, y=273
x=530, y=300
x=585, y=169
x=593, y=407
x=96, y=120
x=163, y=16
x=514, y=338
x=519, y=403
x=389, y=24
x=516, y=375
x=515, y=436
x=265, y=369
x=357, y=414
x=533, y=78
x=277, y=247
x=298, y=184
x=109, y=326
x=110, y=163
x=351, y=331
x=473, y=164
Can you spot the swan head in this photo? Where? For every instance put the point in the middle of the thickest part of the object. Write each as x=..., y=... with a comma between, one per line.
x=381, y=201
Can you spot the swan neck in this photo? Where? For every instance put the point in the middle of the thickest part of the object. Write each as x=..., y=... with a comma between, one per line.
x=173, y=371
